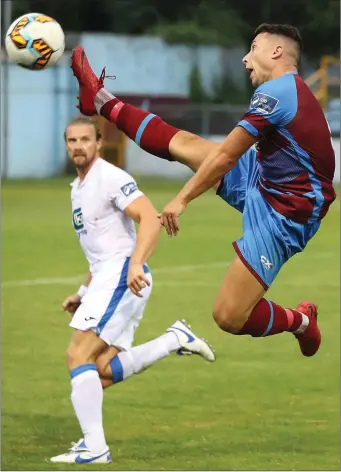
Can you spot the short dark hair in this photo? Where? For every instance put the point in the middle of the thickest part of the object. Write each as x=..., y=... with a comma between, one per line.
x=85, y=120
x=288, y=31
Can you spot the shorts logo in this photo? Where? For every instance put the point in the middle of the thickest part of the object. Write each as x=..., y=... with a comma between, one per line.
x=77, y=219
x=263, y=103
x=128, y=189
x=266, y=263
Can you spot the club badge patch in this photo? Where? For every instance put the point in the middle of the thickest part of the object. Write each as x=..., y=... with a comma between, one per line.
x=263, y=103
x=129, y=188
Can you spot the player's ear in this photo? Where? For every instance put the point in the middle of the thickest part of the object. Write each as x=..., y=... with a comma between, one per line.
x=277, y=52
x=99, y=144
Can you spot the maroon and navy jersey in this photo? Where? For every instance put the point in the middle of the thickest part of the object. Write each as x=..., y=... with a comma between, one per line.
x=294, y=150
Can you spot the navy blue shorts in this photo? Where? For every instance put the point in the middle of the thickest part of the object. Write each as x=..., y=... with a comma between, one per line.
x=269, y=238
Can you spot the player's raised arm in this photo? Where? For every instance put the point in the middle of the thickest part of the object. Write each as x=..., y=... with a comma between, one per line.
x=221, y=160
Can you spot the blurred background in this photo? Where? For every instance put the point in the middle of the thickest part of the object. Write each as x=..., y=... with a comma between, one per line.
x=179, y=59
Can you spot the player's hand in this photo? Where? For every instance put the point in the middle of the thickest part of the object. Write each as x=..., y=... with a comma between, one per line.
x=137, y=279
x=170, y=216
x=71, y=303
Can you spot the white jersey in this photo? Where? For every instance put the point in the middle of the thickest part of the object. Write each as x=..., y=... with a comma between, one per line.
x=105, y=232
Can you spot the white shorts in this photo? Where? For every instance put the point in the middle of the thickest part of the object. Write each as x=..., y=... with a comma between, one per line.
x=110, y=309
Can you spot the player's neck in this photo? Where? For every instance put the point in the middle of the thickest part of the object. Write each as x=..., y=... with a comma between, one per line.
x=278, y=72
x=82, y=172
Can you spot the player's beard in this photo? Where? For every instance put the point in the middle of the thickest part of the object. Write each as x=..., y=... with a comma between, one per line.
x=82, y=161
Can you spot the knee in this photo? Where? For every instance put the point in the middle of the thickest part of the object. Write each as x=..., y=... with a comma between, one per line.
x=76, y=356
x=228, y=317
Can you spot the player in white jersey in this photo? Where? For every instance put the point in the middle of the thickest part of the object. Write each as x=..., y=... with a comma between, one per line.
x=109, y=306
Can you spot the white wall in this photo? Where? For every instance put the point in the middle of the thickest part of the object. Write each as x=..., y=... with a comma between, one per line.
x=40, y=103
x=139, y=162
x=148, y=65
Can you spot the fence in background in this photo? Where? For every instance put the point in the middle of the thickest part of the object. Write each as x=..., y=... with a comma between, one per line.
x=40, y=104
x=325, y=82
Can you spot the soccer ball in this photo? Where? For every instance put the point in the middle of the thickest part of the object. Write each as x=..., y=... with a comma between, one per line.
x=35, y=41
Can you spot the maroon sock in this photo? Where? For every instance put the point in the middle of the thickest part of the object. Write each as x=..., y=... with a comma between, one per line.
x=267, y=318
x=148, y=131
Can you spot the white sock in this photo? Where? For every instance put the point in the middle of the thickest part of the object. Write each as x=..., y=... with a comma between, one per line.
x=304, y=325
x=139, y=358
x=87, y=399
x=101, y=98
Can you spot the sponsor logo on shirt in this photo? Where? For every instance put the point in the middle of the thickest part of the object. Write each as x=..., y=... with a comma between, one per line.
x=77, y=220
x=129, y=188
x=263, y=103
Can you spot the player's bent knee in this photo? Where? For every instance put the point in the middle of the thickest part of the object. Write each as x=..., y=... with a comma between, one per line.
x=228, y=318
x=76, y=355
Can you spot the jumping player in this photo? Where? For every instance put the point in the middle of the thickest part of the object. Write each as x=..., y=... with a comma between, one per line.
x=109, y=307
x=276, y=167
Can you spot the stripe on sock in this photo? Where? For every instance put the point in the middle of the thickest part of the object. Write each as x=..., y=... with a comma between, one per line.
x=82, y=368
x=116, y=369
x=142, y=127
x=290, y=316
x=271, y=318
x=304, y=324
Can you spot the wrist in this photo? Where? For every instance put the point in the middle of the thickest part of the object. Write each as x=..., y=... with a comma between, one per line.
x=82, y=291
x=136, y=262
x=183, y=198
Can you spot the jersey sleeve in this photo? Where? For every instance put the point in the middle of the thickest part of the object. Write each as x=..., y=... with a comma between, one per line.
x=273, y=105
x=123, y=190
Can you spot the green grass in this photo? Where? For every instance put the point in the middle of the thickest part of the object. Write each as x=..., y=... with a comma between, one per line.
x=261, y=406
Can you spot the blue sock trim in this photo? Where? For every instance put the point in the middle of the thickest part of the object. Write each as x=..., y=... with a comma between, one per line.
x=271, y=318
x=116, y=369
x=142, y=127
x=82, y=368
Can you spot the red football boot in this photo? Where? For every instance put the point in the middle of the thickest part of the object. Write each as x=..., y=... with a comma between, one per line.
x=88, y=82
x=310, y=339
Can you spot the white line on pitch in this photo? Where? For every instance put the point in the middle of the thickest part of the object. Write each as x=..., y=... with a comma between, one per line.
x=78, y=278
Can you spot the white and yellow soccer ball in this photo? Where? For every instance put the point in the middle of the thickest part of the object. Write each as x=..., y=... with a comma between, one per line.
x=35, y=41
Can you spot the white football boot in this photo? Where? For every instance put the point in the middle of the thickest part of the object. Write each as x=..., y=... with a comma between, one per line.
x=190, y=343
x=80, y=454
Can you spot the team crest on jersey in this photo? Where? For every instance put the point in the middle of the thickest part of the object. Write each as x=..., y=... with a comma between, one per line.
x=77, y=219
x=266, y=263
x=129, y=188
x=263, y=103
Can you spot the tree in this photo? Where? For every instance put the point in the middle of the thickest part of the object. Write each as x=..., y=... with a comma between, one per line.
x=222, y=22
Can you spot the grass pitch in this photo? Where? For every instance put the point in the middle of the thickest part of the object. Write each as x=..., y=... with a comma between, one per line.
x=261, y=406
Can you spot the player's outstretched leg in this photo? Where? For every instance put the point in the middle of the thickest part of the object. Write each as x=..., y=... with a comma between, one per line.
x=178, y=338
x=241, y=309
x=148, y=131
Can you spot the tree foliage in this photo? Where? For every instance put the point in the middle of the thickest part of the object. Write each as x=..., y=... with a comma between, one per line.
x=222, y=22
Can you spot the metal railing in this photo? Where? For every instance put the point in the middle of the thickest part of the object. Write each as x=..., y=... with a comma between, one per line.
x=327, y=76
